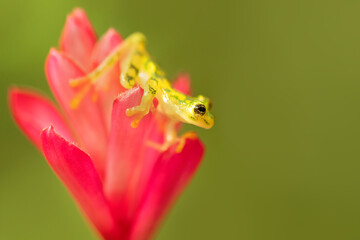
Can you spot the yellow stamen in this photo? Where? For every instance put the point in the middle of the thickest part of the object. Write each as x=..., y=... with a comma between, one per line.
x=79, y=81
x=75, y=102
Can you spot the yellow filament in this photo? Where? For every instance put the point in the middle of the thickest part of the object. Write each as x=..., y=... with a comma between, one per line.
x=75, y=102
x=79, y=81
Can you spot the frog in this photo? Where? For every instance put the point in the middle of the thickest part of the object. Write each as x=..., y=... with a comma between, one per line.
x=139, y=69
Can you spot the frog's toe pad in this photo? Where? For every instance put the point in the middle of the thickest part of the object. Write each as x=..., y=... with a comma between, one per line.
x=135, y=123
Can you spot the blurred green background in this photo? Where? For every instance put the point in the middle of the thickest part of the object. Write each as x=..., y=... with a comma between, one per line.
x=283, y=159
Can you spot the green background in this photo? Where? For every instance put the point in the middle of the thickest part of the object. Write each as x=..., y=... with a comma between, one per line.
x=283, y=159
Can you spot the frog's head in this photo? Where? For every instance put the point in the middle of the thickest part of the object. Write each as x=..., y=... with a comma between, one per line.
x=206, y=101
x=198, y=112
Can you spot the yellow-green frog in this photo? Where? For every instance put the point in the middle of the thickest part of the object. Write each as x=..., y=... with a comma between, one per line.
x=137, y=67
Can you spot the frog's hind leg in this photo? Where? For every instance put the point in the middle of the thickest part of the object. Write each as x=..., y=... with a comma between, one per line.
x=180, y=141
x=172, y=138
x=150, y=89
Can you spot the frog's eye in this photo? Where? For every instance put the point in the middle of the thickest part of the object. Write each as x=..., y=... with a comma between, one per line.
x=200, y=109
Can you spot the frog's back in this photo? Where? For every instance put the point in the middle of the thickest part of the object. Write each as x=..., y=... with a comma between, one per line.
x=146, y=73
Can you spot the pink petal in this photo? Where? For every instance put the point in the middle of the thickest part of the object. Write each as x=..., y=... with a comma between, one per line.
x=110, y=80
x=183, y=84
x=33, y=112
x=170, y=175
x=104, y=46
x=78, y=38
x=76, y=170
x=125, y=163
x=87, y=120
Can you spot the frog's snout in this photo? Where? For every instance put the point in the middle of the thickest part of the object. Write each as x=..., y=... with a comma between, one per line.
x=209, y=120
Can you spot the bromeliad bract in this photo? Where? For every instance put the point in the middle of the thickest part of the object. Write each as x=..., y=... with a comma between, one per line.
x=121, y=184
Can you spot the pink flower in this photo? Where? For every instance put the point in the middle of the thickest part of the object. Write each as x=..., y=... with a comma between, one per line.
x=121, y=184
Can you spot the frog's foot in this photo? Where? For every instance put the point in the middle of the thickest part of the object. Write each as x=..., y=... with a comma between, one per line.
x=138, y=113
x=180, y=141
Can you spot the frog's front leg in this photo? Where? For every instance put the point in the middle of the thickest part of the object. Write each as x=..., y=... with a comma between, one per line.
x=150, y=90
